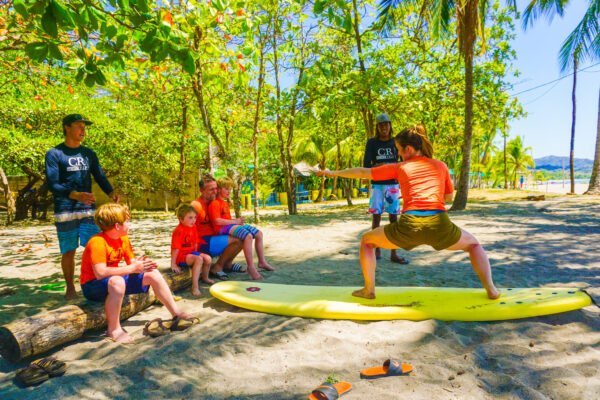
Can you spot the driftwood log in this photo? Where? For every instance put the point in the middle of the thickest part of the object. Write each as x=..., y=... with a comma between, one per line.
x=48, y=329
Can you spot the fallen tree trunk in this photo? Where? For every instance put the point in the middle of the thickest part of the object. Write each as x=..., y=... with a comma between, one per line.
x=46, y=330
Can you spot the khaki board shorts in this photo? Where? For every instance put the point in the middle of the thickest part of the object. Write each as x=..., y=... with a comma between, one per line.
x=414, y=230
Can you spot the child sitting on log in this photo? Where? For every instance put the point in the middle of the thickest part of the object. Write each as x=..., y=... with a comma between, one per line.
x=185, y=246
x=220, y=217
x=102, y=279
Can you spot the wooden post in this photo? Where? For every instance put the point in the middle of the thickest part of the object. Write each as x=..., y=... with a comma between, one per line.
x=48, y=329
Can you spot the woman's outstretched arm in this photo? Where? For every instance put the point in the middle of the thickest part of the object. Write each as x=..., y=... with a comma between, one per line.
x=352, y=173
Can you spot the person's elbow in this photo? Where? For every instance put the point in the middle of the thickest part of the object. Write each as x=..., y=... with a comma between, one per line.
x=448, y=197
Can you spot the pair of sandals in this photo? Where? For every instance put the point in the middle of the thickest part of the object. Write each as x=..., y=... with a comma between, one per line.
x=40, y=370
x=158, y=327
x=332, y=391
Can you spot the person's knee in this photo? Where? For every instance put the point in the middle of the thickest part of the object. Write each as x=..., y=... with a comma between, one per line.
x=258, y=235
x=367, y=240
x=116, y=285
x=206, y=259
x=153, y=276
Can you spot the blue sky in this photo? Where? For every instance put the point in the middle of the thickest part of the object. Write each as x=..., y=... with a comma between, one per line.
x=547, y=127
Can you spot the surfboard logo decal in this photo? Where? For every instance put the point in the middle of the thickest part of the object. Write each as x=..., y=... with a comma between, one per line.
x=253, y=289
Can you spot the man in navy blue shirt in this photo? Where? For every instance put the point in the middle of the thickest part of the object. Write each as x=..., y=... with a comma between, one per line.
x=69, y=170
x=385, y=195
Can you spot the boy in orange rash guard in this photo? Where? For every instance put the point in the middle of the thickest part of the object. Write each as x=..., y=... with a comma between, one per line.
x=185, y=246
x=102, y=279
x=426, y=186
x=220, y=218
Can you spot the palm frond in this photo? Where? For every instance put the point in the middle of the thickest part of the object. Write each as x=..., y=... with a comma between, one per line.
x=585, y=38
x=538, y=8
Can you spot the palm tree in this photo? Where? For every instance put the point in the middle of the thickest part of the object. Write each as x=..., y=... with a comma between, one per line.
x=517, y=158
x=470, y=17
x=581, y=44
x=314, y=149
x=594, y=187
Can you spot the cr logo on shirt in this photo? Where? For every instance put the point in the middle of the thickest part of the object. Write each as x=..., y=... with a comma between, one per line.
x=384, y=153
x=77, y=164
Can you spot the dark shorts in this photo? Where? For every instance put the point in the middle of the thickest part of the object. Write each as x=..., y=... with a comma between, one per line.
x=181, y=259
x=214, y=245
x=97, y=289
x=411, y=231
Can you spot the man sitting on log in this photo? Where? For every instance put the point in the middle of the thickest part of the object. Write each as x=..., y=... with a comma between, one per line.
x=102, y=279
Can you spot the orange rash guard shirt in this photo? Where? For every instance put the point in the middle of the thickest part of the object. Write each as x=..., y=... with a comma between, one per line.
x=423, y=182
x=218, y=208
x=101, y=249
x=184, y=239
x=203, y=225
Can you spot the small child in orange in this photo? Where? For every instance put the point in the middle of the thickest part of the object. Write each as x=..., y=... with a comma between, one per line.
x=102, y=279
x=185, y=246
x=220, y=217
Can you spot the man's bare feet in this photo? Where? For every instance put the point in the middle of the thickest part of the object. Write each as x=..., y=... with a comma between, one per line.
x=120, y=336
x=397, y=259
x=196, y=292
x=265, y=266
x=71, y=295
x=208, y=281
x=364, y=292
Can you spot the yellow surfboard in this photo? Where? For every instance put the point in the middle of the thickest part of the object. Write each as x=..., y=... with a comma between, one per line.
x=412, y=303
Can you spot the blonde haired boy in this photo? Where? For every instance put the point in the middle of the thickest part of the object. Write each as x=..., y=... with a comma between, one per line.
x=102, y=279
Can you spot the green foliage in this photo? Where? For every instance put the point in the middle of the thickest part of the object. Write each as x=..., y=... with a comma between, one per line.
x=134, y=66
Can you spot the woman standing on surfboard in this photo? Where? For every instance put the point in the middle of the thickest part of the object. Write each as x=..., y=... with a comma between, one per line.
x=426, y=186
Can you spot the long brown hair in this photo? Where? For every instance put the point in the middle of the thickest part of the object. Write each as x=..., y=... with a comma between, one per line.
x=416, y=137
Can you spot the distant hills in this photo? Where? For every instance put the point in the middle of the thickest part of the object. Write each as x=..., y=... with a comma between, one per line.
x=553, y=163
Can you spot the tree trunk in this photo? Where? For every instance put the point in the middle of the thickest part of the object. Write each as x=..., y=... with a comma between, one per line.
x=572, y=151
x=348, y=184
x=182, y=158
x=44, y=331
x=285, y=149
x=261, y=79
x=594, y=187
x=462, y=190
x=8, y=198
x=365, y=111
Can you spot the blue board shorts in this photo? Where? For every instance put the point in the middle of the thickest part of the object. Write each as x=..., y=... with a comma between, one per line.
x=75, y=229
x=97, y=289
x=385, y=198
x=215, y=245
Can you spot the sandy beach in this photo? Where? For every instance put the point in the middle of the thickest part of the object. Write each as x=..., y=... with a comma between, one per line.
x=238, y=354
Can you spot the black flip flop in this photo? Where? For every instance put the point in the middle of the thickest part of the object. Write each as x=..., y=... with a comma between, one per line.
x=390, y=368
x=219, y=275
x=31, y=375
x=51, y=366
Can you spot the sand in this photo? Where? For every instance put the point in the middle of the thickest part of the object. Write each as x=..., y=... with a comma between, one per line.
x=239, y=354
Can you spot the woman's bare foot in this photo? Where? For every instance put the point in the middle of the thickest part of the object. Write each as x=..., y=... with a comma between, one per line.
x=120, y=336
x=266, y=266
x=196, y=292
x=208, y=281
x=493, y=293
x=364, y=292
